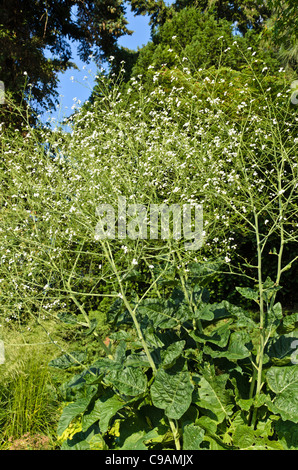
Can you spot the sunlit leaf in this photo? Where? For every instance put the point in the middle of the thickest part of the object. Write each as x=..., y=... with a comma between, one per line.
x=172, y=391
x=283, y=381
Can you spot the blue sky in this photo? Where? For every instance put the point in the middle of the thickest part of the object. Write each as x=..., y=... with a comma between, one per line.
x=76, y=85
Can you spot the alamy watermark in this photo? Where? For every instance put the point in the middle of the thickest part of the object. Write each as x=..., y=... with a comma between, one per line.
x=136, y=221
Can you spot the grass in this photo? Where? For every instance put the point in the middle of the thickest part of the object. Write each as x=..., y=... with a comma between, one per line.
x=29, y=390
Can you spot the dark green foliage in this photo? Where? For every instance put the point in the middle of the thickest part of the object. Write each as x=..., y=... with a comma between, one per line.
x=203, y=354
x=284, y=29
x=198, y=41
x=247, y=15
x=285, y=25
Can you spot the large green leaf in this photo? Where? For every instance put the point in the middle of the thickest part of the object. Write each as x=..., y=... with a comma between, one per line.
x=193, y=436
x=153, y=341
x=115, y=310
x=159, y=312
x=128, y=381
x=105, y=364
x=270, y=289
x=69, y=360
x=213, y=396
x=222, y=309
x=139, y=359
x=103, y=411
x=200, y=294
x=81, y=385
x=136, y=434
x=119, y=354
x=236, y=350
x=281, y=349
x=243, y=436
x=204, y=312
x=274, y=316
x=287, y=432
x=225, y=309
x=289, y=323
x=283, y=381
x=172, y=353
x=88, y=440
x=172, y=391
x=90, y=417
x=71, y=411
x=138, y=440
x=77, y=442
x=217, y=334
x=248, y=293
x=203, y=272
x=239, y=346
x=67, y=318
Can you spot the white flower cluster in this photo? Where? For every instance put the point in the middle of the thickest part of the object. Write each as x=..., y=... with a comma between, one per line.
x=189, y=143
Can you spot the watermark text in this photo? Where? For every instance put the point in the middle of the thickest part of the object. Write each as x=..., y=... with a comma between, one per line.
x=136, y=221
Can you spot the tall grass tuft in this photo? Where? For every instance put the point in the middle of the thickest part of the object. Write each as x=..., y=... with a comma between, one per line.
x=28, y=405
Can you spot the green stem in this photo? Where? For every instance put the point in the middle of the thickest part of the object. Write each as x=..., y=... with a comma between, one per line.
x=196, y=323
x=88, y=324
x=128, y=306
x=253, y=382
x=175, y=433
x=259, y=359
x=281, y=214
x=80, y=307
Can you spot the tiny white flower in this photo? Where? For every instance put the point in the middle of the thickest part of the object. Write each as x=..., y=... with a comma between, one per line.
x=134, y=261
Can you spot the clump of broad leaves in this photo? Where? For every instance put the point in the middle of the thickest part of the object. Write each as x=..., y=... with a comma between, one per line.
x=201, y=392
